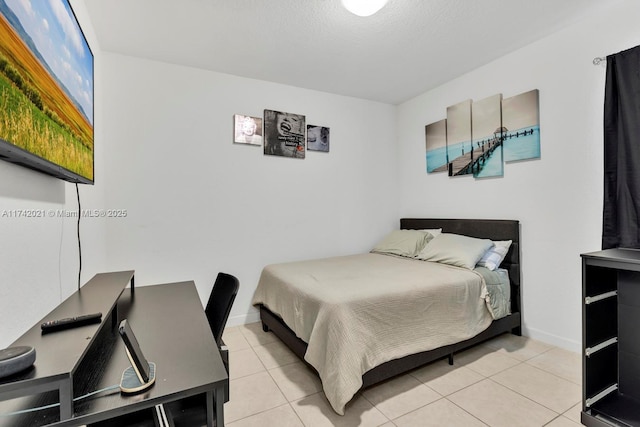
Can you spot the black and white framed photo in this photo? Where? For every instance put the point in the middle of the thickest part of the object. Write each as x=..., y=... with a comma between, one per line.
x=247, y=130
x=284, y=134
x=317, y=138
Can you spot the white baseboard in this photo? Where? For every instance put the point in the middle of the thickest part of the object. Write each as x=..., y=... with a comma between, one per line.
x=555, y=340
x=243, y=319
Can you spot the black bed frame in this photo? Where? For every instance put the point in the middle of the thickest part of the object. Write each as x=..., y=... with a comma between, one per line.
x=482, y=228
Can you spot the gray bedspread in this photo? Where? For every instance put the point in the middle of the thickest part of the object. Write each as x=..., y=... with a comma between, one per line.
x=357, y=312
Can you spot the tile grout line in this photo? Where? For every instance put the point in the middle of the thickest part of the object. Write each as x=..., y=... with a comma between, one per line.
x=528, y=398
x=534, y=401
x=267, y=410
x=464, y=410
x=554, y=374
x=251, y=347
x=484, y=377
x=279, y=388
x=285, y=398
x=252, y=373
x=559, y=416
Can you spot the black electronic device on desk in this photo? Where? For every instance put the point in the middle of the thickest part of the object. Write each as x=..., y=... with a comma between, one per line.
x=141, y=374
x=70, y=322
x=16, y=359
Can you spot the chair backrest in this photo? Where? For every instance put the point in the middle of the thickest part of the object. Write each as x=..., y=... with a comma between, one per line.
x=220, y=301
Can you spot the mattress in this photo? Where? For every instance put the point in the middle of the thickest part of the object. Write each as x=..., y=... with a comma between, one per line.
x=356, y=312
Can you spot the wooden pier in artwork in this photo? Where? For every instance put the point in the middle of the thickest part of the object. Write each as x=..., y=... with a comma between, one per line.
x=469, y=163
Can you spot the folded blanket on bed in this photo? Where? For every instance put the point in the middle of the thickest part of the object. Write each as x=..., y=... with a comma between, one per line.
x=357, y=312
x=499, y=289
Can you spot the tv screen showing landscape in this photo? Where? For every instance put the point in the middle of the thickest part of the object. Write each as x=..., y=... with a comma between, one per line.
x=46, y=89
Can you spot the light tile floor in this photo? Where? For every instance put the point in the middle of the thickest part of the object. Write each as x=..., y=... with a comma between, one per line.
x=508, y=381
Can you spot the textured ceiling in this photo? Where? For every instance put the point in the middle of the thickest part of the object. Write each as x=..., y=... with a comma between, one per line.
x=407, y=48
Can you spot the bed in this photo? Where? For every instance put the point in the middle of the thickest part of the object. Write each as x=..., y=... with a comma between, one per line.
x=357, y=338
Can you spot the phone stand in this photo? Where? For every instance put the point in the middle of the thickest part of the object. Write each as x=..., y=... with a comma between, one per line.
x=130, y=383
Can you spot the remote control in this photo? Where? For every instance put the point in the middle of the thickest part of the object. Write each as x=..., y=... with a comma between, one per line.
x=70, y=322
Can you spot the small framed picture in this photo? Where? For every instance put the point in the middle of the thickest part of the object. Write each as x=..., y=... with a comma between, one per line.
x=317, y=138
x=284, y=134
x=247, y=130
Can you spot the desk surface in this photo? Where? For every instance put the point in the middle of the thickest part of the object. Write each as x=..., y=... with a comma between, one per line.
x=173, y=332
x=99, y=294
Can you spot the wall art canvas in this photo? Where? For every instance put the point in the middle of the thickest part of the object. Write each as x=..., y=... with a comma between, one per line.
x=459, y=138
x=480, y=136
x=284, y=134
x=436, y=146
x=317, y=138
x=521, y=119
x=247, y=130
x=486, y=130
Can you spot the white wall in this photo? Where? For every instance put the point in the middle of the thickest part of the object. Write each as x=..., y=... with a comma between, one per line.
x=198, y=204
x=558, y=199
x=39, y=256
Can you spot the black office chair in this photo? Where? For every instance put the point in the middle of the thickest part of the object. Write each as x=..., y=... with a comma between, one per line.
x=218, y=308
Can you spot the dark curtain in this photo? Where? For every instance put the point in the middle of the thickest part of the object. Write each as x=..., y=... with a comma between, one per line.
x=621, y=212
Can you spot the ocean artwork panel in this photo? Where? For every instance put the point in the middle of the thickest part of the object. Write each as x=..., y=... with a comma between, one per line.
x=486, y=129
x=521, y=118
x=436, y=146
x=459, y=138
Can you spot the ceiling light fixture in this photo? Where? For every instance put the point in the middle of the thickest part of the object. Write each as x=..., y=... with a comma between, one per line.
x=364, y=7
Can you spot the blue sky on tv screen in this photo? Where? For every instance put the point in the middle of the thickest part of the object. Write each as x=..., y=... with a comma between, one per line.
x=57, y=36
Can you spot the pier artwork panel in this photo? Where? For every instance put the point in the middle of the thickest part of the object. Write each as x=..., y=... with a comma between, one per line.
x=436, y=146
x=521, y=115
x=459, y=144
x=487, y=132
x=478, y=137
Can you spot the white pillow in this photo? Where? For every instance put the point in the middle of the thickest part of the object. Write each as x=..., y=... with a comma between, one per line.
x=405, y=243
x=433, y=231
x=455, y=249
x=495, y=255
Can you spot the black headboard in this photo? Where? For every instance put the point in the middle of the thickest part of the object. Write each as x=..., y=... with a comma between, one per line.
x=494, y=229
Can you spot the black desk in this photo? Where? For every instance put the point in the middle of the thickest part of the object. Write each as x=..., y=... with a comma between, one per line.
x=173, y=332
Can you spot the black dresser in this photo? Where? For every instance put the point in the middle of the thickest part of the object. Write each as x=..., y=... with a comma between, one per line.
x=611, y=338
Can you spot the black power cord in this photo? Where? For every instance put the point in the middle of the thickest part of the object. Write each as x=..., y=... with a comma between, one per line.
x=79, y=246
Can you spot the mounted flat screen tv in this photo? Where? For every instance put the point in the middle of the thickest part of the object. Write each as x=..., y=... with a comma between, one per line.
x=46, y=89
